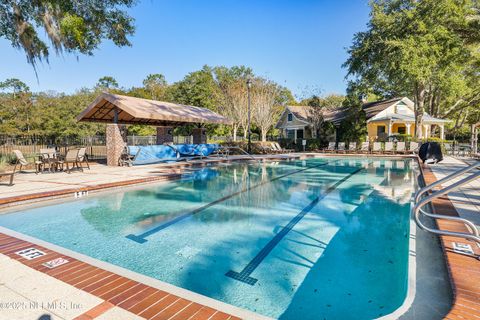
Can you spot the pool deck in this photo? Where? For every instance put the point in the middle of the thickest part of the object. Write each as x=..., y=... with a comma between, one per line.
x=464, y=270
x=81, y=289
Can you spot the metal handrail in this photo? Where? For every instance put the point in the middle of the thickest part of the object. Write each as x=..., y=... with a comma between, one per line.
x=420, y=203
x=445, y=179
x=243, y=151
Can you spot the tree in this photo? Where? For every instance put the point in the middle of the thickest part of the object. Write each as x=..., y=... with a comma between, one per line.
x=71, y=26
x=233, y=102
x=197, y=89
x=105, y=83
x=156, y=85
x=354, y=127
x=414, y=48
x=264, y=98
x=15, y=106
x=319, y=106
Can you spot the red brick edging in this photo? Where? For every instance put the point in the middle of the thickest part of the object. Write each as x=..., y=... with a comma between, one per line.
x=143, y=300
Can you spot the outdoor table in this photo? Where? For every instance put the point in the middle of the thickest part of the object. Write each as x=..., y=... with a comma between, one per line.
x=50, y=159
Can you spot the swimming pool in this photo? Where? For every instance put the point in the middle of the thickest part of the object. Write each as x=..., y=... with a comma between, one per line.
x=311, y=239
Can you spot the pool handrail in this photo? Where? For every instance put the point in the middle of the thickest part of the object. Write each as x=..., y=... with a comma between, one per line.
x=241, y=150
x=473, y=233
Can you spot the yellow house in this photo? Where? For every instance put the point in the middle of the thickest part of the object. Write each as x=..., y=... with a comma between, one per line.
x=396, y=116
x=385, y=118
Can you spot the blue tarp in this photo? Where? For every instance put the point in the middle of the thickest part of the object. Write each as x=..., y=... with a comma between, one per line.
x=164, y=153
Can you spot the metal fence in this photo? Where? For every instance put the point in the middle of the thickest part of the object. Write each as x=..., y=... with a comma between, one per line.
x=32, y=144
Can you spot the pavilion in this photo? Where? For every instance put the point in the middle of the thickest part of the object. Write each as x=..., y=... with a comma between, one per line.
x=119, y=110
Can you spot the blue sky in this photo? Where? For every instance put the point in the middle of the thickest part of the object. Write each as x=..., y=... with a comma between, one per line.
x=298, y=43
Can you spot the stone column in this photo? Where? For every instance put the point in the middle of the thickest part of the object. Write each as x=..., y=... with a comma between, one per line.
x=115, y=141
x=164, y=135
x=199, y=135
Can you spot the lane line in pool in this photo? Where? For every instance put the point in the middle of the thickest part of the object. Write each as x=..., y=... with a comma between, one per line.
x=244, y=275
x=141, y=237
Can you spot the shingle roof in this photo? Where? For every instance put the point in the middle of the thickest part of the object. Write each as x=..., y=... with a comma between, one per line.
x=300, y=112
x=133, y=110
x=373, y=108
x=332, y=115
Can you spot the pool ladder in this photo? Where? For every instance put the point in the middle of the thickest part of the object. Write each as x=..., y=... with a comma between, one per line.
x=421, y=201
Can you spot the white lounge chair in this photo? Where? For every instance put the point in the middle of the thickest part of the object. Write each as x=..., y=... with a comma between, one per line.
x=365, y=147
x=377, y=147
x=352, y=147
x=341, y=147
x=413, y=147
x=277, y=147
x=388, y=147
x=330, y=148
x=401, y=147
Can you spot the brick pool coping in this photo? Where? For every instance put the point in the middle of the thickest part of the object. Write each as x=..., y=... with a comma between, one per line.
x=464, y=271
x=116, y=290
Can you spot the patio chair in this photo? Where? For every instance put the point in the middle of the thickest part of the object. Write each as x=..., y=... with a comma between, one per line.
x=9, y=174
x=377, y=147
x=23, y=162
x=127, y=158
x=352, y=147
x=82, y=157
x=70, y=158
x=277, y=146
x=448, y=148
x=388, y=147
x=365, y=147
x=341, y=147
x=330, y=148
x=401, y=147
x=413, y=147
x=268, y=148
x=49, y=158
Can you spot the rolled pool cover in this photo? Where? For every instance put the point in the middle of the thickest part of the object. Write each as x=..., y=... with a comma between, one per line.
x=430, y=152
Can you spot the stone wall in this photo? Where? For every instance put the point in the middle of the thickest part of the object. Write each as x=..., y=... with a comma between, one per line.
x=199, y=135
x=115, y=140
x=164, y=135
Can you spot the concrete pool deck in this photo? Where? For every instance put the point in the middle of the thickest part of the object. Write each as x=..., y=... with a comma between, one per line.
x=464, y=271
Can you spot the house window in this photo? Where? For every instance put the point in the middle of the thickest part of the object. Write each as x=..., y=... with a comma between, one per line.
x=290, y=134
x=380, y=130
x=289, y=117
x=402, y=130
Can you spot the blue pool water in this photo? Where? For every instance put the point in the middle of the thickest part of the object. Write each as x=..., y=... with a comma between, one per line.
x=304, y=239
